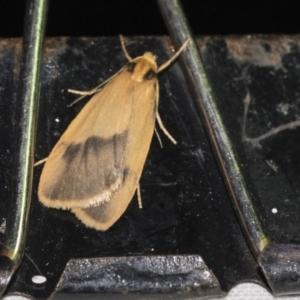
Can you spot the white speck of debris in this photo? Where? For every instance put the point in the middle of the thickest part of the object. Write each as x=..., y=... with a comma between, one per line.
x=38, y=279
x=3, y=226
x=274, y=210
x=57, y=120
x=272, y=165
x=283, y=108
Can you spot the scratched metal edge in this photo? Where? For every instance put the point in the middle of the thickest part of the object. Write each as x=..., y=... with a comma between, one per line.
x=280, y=264
x=169, y=277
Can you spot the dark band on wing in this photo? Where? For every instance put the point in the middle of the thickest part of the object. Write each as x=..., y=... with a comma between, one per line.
x=90, y=168
x=98, y=214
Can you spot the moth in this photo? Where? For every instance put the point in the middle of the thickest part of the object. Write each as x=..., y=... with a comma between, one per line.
x=95, y=167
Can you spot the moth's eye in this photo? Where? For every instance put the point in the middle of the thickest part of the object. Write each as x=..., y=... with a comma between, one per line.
x=150, y=75
x=130, y=67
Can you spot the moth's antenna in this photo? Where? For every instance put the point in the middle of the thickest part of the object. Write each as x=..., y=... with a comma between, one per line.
x=124, y=48
x=167, y=63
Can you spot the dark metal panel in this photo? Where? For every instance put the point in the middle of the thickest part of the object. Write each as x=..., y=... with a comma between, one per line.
x=256, y=81
x=262, y=70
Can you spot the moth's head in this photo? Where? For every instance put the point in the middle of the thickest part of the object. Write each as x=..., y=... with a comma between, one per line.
x=143, y=68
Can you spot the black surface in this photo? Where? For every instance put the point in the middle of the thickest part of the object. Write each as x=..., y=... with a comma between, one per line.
x=9, y=64
x=267, y=69
x=186, y=207
x=104, y=18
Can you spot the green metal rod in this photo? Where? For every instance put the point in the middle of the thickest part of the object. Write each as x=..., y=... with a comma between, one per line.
x=222, y=145
x=22, y=173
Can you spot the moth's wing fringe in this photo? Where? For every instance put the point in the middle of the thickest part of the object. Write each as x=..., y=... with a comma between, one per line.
x=103, y=216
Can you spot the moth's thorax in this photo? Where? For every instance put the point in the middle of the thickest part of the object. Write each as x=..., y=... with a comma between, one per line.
x=143, y=68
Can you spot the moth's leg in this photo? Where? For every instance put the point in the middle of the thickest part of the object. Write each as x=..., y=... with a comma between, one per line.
x=82, y=93
x=94, y=90
x=40, y=162
x=158, y=137
x=160, y=123
x=91, y=92
x=163, y=128
x=138, y=190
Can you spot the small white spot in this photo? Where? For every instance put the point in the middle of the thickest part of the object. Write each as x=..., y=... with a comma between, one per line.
x=38, y=279
x=274, y=210
x=3, y=226
x=57, y=120
x=283, y=108
x=56, y=133
x=272, y=165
